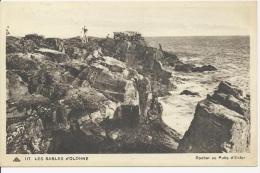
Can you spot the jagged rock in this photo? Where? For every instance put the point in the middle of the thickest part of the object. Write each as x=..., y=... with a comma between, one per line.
x=220, y=123
x=160, y=74
x=187, y=92
x=170, y=58
x=227, y=88
x=184, y=67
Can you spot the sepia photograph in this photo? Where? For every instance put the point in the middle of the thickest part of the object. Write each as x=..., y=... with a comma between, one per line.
x=122, y=78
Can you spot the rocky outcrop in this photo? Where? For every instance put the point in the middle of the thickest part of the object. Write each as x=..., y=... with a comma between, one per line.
x=204, y=68
x=32, y=42
x=100, y=97
x=145, y=60
x=221, y=123
x=192, y=68
x=188, y=92
x=184, y=67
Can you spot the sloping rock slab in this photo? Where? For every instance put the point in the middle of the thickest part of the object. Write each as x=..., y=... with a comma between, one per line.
x=54, y=55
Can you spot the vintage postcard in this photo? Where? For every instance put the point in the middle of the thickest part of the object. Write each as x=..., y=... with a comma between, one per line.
x=128, y=83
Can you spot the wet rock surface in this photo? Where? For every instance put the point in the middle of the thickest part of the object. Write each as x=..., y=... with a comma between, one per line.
x=221, y=123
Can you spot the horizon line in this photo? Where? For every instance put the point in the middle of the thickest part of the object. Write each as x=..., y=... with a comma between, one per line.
x=224, y=35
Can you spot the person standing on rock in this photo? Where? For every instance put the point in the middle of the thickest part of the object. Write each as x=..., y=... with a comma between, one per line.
x=156, y=109
x=145, y=97
x=84, y=32
x=160, y=47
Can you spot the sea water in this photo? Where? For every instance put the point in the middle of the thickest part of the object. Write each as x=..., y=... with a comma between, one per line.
x=229, y=54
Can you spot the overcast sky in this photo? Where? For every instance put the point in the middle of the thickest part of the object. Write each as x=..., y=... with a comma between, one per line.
x=150, y=18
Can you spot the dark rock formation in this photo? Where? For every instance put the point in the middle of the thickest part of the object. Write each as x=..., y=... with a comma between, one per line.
x=221, y=123
x=184, y=67
x=204, y=68
x=187, y=92
x=192, y=68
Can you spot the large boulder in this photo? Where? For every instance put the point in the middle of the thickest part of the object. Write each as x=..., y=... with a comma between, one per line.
x=221, y=123
x=84, y=99
x=112, y=78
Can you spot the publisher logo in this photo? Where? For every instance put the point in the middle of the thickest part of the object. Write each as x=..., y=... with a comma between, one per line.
x=16, y=160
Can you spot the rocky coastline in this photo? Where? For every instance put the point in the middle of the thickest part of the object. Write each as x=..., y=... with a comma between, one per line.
x=65, y=96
